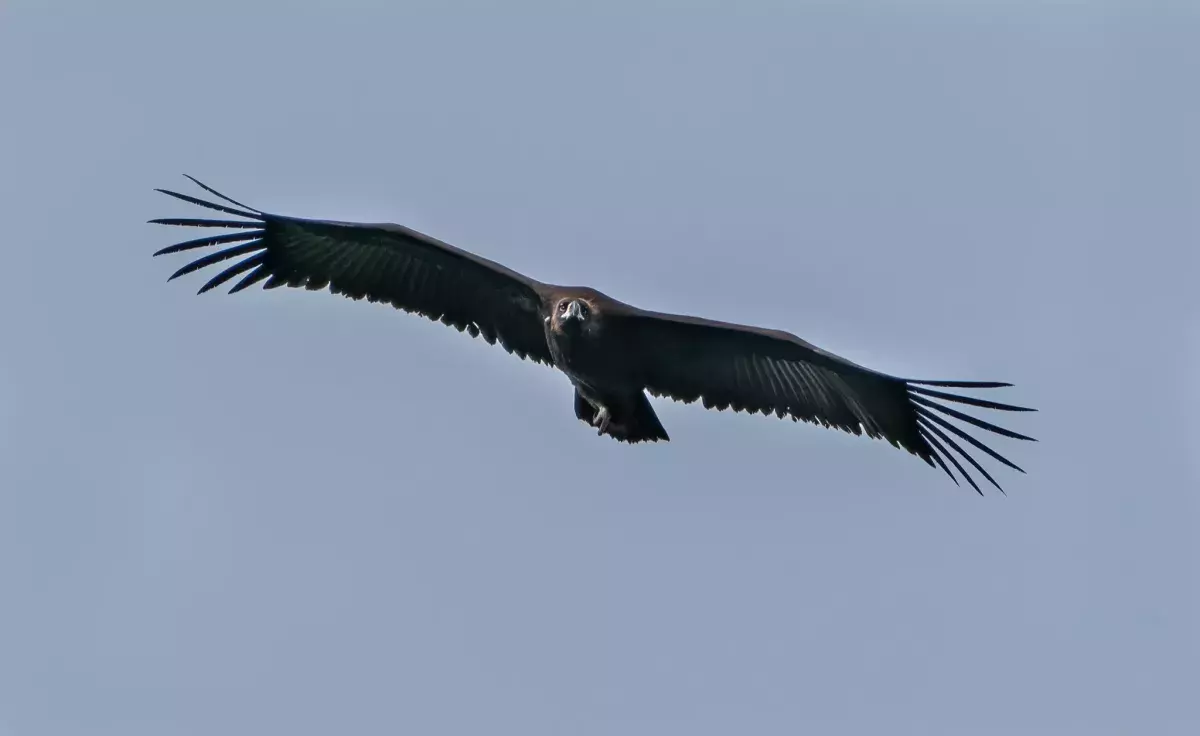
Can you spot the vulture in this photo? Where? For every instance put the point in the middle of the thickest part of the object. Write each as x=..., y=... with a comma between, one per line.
x=613, y=353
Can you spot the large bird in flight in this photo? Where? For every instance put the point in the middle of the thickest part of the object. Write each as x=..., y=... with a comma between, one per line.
x=613, y=353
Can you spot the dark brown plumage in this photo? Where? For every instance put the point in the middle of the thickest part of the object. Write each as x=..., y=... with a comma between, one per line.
x=613, y=353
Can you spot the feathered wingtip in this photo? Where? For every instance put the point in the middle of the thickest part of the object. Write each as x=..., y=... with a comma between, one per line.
x=931, y=425
x=253, y=230
x=248, y=211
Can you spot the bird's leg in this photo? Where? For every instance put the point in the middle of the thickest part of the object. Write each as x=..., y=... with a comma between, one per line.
x=602, y=419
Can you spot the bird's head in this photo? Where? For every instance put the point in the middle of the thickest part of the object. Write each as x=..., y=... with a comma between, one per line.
x=573, y=314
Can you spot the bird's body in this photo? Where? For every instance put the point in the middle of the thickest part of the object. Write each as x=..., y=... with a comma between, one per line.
x=612, y=352
x=608, y=390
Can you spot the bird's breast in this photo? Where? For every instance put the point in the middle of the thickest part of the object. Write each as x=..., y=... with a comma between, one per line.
x=587, y=357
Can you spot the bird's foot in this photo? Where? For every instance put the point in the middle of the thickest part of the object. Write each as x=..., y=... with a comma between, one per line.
x=602, y=420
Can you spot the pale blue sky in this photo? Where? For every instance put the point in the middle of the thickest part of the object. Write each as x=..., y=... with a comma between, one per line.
x=291, y=513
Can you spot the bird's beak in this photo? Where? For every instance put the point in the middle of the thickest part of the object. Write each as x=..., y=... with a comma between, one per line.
x=573, y=311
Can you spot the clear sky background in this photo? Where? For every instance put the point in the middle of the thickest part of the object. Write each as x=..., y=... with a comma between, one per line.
x=290, y=513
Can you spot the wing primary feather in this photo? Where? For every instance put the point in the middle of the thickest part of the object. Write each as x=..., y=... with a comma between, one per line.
x=983, y=403
x=221, y=255
x=970, y=419
x=960, y=384
x=251, y=279
x=936, y=460
x=211, y=240
x=240, y=267
x=203, y=222
x=958, y=448
x=927, y=415
x=212, y=191
x=942, y=449
x=209, y=205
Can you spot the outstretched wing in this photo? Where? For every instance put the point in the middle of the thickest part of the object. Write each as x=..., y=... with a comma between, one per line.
x=769, y=371
x=381, y=262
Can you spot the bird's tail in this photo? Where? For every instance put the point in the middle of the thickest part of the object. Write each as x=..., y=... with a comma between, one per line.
x=631, y=421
